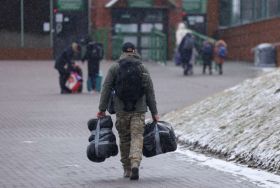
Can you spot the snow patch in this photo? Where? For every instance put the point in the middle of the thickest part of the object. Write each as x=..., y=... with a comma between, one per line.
x=241, y=123
x=258, y=177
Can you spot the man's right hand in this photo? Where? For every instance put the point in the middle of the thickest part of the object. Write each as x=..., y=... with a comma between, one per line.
x=155, y=117
x=100, y=114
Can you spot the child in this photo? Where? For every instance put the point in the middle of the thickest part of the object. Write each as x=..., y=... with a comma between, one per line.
x=207, y=53
x=220, y=54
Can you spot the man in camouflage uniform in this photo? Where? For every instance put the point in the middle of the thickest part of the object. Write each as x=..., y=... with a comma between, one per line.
x=130, y=125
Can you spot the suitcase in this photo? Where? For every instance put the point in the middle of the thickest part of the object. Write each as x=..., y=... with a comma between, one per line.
x=74, y=82
x=98, y=83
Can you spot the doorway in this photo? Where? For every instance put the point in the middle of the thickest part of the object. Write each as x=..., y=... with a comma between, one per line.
x=136, y=24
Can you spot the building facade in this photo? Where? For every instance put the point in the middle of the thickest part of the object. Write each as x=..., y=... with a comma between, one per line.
x=134, y=21
x=33, y=29
x=244, y=25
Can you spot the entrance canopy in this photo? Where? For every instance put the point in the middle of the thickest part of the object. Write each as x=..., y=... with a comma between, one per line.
x=138, y=3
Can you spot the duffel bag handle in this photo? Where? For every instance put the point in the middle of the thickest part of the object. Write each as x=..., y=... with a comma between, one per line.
x=96, y=137
x=157, y=138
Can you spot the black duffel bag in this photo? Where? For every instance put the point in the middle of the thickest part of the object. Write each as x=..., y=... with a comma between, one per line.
x=159, y=137
x=102, y=139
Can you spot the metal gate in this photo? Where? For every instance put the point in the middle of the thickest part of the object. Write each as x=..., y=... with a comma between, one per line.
x=144, y=27
x=155, y=49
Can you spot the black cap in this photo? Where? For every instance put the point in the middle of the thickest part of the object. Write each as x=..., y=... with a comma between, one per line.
x=128, y=47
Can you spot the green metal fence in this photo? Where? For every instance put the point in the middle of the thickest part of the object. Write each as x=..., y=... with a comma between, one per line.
x=157, y=43
x=199, y=39
x=101, y=35
x=158, y=47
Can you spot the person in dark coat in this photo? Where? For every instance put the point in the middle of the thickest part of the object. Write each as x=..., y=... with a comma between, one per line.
x=207, y=54
x=94, y=54
x=63, y=64
x=186, y=49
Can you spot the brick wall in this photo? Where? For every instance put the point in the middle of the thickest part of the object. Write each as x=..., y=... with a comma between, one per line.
x=26, y=53
x=101, y=16
x=242, y=39
x=174, y=17
x=212, y=18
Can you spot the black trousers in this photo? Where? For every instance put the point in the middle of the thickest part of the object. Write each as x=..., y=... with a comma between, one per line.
x=205, y=65
x=220, y=68
x=63, y=76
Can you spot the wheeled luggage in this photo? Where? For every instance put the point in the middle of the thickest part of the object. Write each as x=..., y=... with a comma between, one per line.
x=75, y=80
x=102, y=139
x=159, y=137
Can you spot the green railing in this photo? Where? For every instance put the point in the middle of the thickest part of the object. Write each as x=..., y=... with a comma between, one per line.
x=199, y=39
x=158, y=46
x=117, y=42
x=101, y=35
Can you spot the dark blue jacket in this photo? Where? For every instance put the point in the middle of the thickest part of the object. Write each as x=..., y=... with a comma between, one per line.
x=63, y=62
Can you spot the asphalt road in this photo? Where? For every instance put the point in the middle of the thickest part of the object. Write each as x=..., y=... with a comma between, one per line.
x=43, y=135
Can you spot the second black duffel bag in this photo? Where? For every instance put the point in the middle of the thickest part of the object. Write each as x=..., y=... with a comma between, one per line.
x=159, y=137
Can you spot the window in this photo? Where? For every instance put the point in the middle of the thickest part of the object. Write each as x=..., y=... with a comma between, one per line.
x=235, y=12
x=25, y=23
x=273, y=8
x=126, y=28
x=260, y=9
x=225, y=12
x=247, y=11
x=10, y=28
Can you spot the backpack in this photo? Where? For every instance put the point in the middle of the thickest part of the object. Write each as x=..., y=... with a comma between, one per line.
x=128, y=85
x=207, y=50
x=188, y=43
x=222, y=52
x=97, y=51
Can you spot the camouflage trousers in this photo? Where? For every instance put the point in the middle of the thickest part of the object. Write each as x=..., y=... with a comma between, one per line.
x=130, y=126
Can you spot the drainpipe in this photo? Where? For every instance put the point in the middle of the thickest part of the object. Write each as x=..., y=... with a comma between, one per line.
x=51, y=23
x=21, y=23
x=89, y=17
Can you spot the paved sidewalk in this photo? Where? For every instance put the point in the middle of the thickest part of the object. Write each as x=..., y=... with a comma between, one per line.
x=43, y=135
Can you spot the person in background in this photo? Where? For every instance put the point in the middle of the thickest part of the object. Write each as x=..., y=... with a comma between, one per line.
x=186, y=50
x=180, y=33
x=63, y=64
x=207, y=54
x=131, y=102
x=93, y=55
x=220, y=54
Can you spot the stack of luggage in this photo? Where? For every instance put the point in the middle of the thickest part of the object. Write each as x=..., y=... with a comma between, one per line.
x=159, y=137
x=102, y=139
x=75, y=80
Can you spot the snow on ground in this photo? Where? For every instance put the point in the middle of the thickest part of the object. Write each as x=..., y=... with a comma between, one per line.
x=256, y=176
x=240, y=124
